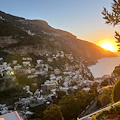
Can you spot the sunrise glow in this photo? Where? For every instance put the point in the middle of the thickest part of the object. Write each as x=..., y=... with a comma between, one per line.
x=108, y=44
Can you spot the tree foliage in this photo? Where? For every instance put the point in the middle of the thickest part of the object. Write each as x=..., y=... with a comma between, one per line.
x=105, y=97
x=117, y=70
x=116, y=91
x=113, y=18
x=104, y=83
x=60, y=94
x=84, y=98
x=69, y=107
x=52, y=113
x=73, y=105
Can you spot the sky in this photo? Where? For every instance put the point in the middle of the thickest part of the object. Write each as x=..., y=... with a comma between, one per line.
x=82, y=18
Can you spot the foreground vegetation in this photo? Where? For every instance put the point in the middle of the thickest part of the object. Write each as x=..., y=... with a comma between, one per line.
x=67, y=106
x=113, y=110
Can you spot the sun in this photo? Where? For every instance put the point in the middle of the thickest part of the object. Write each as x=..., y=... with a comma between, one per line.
x=108, y=44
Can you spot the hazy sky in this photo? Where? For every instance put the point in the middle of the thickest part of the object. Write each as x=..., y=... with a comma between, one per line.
x=82, y=18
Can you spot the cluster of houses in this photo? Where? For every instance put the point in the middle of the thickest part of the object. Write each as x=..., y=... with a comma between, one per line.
x=73, y=75
x=70, y=73
x=106, y=80
x=5, y=69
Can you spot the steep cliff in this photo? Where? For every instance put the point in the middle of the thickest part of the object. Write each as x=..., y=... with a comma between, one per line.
x=37, y=37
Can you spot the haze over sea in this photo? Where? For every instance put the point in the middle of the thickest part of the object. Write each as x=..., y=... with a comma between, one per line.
x=105, y=66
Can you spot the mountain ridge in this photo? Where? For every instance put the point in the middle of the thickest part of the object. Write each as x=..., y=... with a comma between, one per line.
x=56, y=38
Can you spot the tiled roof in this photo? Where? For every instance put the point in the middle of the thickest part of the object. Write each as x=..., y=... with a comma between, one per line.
x=11, y=116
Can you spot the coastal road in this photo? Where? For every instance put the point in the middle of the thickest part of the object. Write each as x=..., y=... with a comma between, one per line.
x=90, y=108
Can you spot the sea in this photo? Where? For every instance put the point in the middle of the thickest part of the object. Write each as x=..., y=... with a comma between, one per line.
x=105, y=66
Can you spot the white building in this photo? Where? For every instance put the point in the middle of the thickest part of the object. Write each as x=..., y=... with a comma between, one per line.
x=14, y=61
x=56, y=71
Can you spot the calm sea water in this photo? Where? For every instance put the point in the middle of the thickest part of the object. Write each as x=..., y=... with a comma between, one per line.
x=105, y=66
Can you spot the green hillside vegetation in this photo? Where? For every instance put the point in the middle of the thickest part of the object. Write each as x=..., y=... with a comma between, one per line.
x=117, y=70
x=112, y=112
x=105, y=98
x=9, y=96
x=8, y=29
x=116, y=91
x=69, y=106
x=72, y=105
x=53, y=112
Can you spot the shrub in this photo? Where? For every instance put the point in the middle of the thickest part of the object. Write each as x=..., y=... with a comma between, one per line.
x=116, y=91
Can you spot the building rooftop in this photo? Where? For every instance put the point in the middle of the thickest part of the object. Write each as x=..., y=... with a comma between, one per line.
x=36, y=104
x=11, y=116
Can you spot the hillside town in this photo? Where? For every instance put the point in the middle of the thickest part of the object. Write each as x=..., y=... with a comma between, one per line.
x=46, y=80
x=51, y=54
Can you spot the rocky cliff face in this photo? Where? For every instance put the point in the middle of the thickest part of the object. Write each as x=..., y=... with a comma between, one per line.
x=39, y=38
